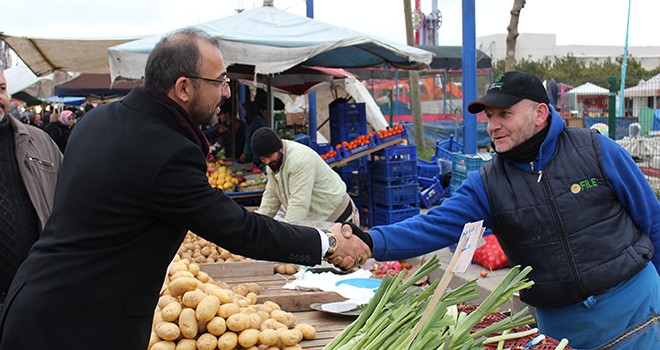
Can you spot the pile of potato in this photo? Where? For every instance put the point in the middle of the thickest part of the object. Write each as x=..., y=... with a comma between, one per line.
x=195, y=313
x=285, y=269
x=198, y=250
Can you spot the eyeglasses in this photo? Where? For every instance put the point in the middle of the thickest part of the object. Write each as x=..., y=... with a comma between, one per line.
x=221, y=82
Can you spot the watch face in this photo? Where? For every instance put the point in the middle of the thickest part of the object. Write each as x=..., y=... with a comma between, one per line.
x=332, y=242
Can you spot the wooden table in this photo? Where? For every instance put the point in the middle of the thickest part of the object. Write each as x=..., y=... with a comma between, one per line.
x=295, y=301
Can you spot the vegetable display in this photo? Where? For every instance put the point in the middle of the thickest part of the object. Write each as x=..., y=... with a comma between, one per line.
x=195, y=312
x=388, y=320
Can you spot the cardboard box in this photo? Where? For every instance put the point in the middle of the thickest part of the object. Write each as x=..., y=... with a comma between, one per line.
x=298, y=118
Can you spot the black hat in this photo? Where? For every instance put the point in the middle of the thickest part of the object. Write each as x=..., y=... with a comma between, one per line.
x=509, y=89
x=265, y=142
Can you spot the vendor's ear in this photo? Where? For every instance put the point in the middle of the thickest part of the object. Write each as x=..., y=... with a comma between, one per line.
x=542, y=114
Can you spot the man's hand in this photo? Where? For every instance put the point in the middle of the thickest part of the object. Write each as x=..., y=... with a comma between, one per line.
x=351, y=251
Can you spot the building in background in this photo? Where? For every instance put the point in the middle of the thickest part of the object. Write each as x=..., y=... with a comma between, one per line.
x=540, y=47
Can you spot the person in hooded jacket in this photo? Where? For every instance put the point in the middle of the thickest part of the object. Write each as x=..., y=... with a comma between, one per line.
x=570, y=203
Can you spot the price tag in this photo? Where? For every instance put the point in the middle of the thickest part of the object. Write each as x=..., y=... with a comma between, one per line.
x=474, y=231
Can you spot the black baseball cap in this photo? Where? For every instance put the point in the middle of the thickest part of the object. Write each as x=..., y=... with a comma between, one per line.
x=509, y=89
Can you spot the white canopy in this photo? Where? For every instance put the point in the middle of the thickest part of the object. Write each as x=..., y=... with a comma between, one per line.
x=44, y=56
x=644, y=88
x=588, y=89
x=274, y=40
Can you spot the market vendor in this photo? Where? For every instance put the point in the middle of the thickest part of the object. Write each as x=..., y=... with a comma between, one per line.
x=299, y=181
x=570, y=203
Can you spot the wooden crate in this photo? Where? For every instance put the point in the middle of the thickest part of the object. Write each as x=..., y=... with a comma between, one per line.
x=295, y=301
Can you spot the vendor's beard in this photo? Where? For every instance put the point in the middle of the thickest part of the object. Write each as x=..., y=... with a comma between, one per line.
x=2, y=112
x=275, y=165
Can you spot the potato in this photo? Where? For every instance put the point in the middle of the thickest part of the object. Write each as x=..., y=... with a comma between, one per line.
x=268, y=337
x=248, y=338
x=176, y=267
x=181, y=285
x=163, y=345
x=194, y=269
x=226, y=310
x=291, y=337
x=207, y=341
x=308, y=332
x=186, y=344
x=238, y=322
x=255, y=320
x=171, y=312
x=271, y=324
x=281, y=269
x=192, y=298
x=188, y=323
x=226, y=296
x=228, y=341
x=201, y=327
x=293, y=347
x=272, y=305
x=253, y=287
x=207, y=308
x=240, y=289
x=217, y=326
x=203, y=276
x=291, y=269
x=264, y=315
x=165, y=300
x=180, y=274
x=167, y=331
x=252, y=297
x=283, y=317
x=242, y=301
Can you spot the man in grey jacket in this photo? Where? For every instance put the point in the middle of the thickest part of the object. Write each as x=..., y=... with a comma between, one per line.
x=29, y=160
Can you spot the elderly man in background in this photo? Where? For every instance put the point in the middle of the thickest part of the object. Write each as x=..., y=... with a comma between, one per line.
x=29, y=161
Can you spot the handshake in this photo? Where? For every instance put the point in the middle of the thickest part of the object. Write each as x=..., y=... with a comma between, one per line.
x=353, y=246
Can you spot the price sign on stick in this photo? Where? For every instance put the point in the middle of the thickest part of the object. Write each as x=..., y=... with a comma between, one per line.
x=474, y=231
x=467, y=244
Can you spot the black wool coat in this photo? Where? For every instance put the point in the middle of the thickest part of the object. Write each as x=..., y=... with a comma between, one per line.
x=130, y=187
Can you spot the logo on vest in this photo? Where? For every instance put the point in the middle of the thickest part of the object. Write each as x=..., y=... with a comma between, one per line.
x=584, y=185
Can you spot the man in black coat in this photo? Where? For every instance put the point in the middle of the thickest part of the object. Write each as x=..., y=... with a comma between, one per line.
x=121, y=211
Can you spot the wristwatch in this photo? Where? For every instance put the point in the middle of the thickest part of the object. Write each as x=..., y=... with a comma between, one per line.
x=332, y=244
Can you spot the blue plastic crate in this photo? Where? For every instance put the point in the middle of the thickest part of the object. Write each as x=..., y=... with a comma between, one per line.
x=403, y=169
x=347, y=121
x=386, y=216
x=396, y=153
x=390, y=195
x=431, y=195
x=444, y=149
x=403, y=134
x=427, y=169
x=466, y=162
x=455, y=183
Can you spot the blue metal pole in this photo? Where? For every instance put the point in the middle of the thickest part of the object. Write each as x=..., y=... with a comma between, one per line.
x=469, y=76
x=623, y=65
x=311, y=97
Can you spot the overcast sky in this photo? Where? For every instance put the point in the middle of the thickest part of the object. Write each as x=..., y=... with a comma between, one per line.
x=578, y=22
